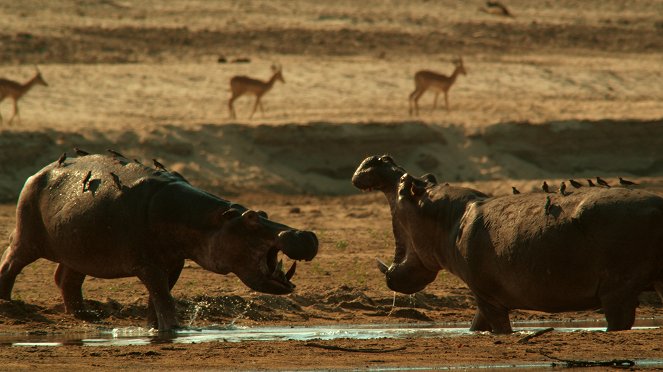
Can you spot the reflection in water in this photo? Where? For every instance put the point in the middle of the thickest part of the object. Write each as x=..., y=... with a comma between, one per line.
x=233, y=333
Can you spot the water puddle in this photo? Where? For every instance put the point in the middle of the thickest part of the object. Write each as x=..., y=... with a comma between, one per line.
x=234, y=333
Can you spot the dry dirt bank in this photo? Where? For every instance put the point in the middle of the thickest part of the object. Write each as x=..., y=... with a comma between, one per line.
x=319, y=158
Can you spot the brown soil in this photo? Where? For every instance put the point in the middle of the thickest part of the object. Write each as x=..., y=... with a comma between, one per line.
x=564, y=89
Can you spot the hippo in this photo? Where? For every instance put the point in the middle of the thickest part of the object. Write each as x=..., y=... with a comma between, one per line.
x=108, y=217
x=381, y=173
x=588, y=249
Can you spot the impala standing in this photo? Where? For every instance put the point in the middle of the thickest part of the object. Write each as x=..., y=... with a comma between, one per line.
x=240, y=85
x=424, y=80
x=10, y=88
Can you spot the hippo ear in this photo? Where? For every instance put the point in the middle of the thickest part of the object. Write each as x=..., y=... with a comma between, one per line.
x=251, y=218
x=263, y=214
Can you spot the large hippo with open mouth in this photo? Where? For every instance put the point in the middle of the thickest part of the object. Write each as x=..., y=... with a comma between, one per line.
x=108, y=217
x=593, y=248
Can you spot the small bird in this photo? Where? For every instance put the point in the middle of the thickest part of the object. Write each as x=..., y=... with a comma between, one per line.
x=116, y=180
x=545, y=187
x=601, y=182
x=626, y=183
x=575, y=183
x=62, y=158
x=546, y=208
x=158, y=165
x=562, y=189
x=497, y=8
x=137, y=161
x=514, y=190
x=115, y=153
x=80, y=152
x=86, y=180
x=590, y=183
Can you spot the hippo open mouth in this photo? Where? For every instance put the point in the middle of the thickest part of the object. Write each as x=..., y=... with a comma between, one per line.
x=295, y=245
x=274, y=270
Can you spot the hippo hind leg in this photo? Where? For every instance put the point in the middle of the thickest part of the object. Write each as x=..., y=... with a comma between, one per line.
x=173, y=276
x=70, y=283
x=15, y=258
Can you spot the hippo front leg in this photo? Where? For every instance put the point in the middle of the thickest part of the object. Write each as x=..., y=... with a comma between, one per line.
x=173, y=276
x=619, y=309
x=156, y=281
x=496, y=317
x=480, y=323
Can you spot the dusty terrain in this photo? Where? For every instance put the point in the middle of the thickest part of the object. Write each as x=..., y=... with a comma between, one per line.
x=565, y=89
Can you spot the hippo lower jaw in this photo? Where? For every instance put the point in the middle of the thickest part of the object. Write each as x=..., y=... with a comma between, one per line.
x=405, y=277
x=272, y=277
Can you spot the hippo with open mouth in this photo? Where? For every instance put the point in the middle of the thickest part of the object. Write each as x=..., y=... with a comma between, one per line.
x=108, y=217
x=589, y=249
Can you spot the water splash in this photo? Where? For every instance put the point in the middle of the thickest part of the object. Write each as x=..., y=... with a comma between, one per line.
x=393, y=305
x=198, y=307
x=247, y=307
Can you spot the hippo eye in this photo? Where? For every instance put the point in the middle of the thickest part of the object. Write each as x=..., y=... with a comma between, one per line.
x=231, y=213
x=387, y=159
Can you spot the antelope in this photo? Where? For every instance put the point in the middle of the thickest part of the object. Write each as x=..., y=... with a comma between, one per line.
x=10, y=88
x=424, y=80
x=240, y=85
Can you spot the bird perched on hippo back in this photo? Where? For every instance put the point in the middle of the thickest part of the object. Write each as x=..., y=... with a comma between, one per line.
x=131, y=221
x=626, y=183
x=600, y=248
x=575, y=183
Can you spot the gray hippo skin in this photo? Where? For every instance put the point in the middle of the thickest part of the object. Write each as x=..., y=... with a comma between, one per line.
x=109, y=218
x=593, y=248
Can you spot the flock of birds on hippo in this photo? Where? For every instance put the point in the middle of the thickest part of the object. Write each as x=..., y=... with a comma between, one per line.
x=594, y=247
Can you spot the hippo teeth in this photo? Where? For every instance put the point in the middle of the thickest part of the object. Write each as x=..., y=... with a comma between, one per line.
x=281, y=274
x=382, y=266
x=291, y=271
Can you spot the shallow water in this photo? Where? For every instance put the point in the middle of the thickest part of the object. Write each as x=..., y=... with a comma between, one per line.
x=233, y=333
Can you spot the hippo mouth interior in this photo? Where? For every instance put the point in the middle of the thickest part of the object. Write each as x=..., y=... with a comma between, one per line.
x=275, y=271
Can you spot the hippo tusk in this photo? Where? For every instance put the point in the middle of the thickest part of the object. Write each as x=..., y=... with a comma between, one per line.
x=291, y=271
x=382, y=266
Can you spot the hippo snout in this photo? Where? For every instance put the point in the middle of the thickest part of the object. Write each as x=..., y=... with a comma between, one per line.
x=298, y=245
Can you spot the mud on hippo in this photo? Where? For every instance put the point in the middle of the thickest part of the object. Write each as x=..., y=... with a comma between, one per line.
x=109, y=217
x=594, y=248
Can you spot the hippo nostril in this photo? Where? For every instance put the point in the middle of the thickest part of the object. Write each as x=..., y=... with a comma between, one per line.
x=298, y=245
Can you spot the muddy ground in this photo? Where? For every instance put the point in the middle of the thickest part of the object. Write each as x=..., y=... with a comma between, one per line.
x=564, y=89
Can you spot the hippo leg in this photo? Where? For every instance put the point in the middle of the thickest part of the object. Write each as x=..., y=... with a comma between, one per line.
x=619, y=311
x=70, y=283
x=497, y=317
x=174, y=274
x=480, y=323
x=13, y=261
x=659, y=288
x=157, y=283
